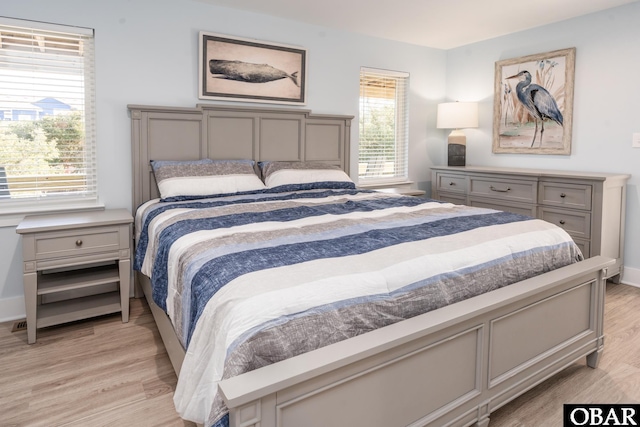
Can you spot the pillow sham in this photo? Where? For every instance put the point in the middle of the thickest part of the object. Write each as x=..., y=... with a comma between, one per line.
x=304, y=175
x=181, y=180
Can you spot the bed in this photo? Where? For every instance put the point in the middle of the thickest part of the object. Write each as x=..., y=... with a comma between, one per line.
x=452, y=365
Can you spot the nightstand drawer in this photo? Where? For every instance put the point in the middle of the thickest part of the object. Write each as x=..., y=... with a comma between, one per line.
x=76, y=242
x=577, y=196
x=521, y=191
x=577, y=224
x=451, y=183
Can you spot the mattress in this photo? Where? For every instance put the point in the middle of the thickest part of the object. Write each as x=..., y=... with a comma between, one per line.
x=249, y=280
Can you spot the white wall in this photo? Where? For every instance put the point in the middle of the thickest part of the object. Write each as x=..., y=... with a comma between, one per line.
x=606, y=101
x=146, y=53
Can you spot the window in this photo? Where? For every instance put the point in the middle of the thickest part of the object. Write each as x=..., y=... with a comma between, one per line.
x=384, y=125
x=47, y=137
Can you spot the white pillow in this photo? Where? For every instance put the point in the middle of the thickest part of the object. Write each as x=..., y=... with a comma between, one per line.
x=321, y=175
x=184, y=180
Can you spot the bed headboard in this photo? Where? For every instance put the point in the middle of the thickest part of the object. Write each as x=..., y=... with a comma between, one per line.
x=228, y=132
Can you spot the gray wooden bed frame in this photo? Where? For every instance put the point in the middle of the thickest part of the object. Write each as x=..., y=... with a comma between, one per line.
x=451, y=366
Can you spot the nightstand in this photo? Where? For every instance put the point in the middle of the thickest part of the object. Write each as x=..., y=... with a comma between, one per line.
x=69, y=260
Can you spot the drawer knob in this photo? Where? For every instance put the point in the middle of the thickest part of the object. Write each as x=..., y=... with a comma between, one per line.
x=562, y=222
x=452, y=183
x=563, y=195
x=499, y=190
x=78, y=242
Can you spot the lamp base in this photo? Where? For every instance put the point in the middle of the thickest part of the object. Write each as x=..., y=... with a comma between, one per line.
x=457, y=148
x=456, y=154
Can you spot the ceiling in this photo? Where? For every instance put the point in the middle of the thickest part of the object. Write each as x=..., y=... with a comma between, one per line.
x=442, y=24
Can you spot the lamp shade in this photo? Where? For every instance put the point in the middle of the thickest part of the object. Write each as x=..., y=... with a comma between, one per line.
x=457, y=115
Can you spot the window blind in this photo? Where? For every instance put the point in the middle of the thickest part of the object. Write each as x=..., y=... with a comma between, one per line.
x=47, y=113
x=383, y=126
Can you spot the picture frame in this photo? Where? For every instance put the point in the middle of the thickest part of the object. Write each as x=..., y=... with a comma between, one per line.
x=533, y=103
x=240, y=69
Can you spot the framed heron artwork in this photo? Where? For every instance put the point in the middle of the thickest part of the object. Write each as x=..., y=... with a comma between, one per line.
x=533, y=103
x=239, y=69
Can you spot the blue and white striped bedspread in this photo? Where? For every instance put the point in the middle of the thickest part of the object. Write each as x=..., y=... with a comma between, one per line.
x=254, y=279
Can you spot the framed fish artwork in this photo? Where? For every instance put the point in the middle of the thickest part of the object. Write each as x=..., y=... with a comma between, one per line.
x=240, y=69
x=533, y=103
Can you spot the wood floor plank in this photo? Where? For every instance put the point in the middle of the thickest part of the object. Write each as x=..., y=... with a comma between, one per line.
x=101, y=372
x=156, y=411
x=94, y=372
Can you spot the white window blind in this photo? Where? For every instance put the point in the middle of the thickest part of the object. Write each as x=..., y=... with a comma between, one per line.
x=47, y=118
x=384, y=126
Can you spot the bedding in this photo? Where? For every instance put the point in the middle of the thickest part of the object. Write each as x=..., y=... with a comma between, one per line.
x=251, y=279
x=181, y=180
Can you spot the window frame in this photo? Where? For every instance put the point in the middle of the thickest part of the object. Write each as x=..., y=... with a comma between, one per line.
x=13, y=210
x=401, y=119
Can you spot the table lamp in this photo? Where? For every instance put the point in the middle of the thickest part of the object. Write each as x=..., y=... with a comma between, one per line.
x=457, y=115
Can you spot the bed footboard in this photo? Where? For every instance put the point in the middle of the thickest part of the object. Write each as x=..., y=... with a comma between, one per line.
x=452, y=366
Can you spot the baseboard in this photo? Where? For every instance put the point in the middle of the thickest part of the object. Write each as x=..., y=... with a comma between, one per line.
x=12, y=309
x=631, y=276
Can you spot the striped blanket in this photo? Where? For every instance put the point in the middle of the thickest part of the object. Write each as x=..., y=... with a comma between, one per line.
x=253, y=279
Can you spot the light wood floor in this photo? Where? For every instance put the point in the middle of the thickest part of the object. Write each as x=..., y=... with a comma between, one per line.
x=102, y=372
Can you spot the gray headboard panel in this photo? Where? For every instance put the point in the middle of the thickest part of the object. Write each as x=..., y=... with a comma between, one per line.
x=227, y=132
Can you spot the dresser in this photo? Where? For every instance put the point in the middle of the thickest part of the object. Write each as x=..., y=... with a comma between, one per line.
x=76, y=265
x=589, y=206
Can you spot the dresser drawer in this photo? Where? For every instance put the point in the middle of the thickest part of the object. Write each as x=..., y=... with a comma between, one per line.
x=585, y=247
x=577, y=224
x=77, y=242
x=516, y=208
x=577, y=196
x=451, y=183
x=521, y=191
x=456, y=199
